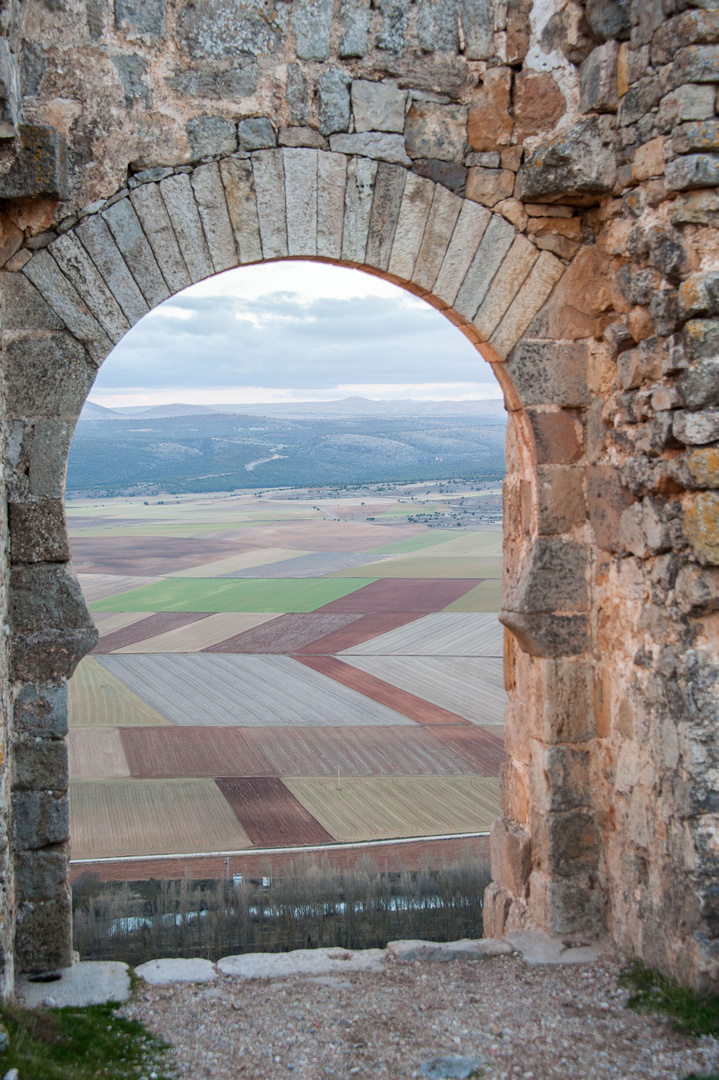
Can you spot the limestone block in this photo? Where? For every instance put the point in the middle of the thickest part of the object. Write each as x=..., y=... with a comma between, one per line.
x=212, y=208
x=436, y=131
x=41, y=710
x=703, y=467
x=518, y=30
x=208, y=135
x=701, y=526
x=76, y=264
x=565, y=844
x=102, y=249
x=182, y=211
x=176, y=970
x=560, y=499
x=566, y=907
x=437, y=235
x=532, y=294
x=553, y=577
x=469, y=230
x=40, y=818
x=50, y=375
x=301, y=199
x=692, y=171
x=511, y=849
x=565, y=698
x=517, y=263
x=37, y=452
x=688, y=28
x=699, y=295
x=214, y=31
x=437, y=26
x=560, y=777
x=701, y=337
x=301, y=962
x=38, y=170
x=539, y=104
x=50, y=623
x=495, y=910
x=631, y=532
x=598, y=79
x=378, y=106
x=413, y=214
x=691, y=102
x=312, y=22
x=655, y=526
x=579, y=165
x=43, y=939
x=233, y=85
x=388, y=192
x=39, y=764
x=144, y=16
x=331, y=183
x=607, y=499
x=489, y=186
x=302, y=136
x=354, y=22
x=297, y=94
x=696, y=428
x=698, y=386
x=155, y=220
x=269, y=177
x=700, y=136
x=372, y=144
x=38, y=532
x=333, y=93
x=697, y=590
x=549, y=373
x=41, y=874
x=394, y=24
x=257, y=133
x=136, y=251
x=361, y=174
x=557, y=436
x=242, y=207
x=494, y=245
x=489, y=124
x=477, y=21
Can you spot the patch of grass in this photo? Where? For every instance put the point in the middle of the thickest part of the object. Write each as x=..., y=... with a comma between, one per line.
x=238, y=594
x=79, y=1044
x=693, y=1013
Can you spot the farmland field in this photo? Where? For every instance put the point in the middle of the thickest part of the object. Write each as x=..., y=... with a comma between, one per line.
x=278, y=671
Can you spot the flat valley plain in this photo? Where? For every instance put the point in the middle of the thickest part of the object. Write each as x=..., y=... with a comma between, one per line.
x=286, y=669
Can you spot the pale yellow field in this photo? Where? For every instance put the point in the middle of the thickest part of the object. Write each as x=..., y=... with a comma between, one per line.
x=97, y=699
x=97, y=754
x=485, y=597
x=107, y=622
x=380, y=807
x=201, y=634
x=239, y=562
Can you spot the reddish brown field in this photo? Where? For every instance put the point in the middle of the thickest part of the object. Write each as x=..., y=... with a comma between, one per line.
x=416, y=708
x=403, y=595
x=159, y=623
x=269, y=813
x=481, y=750
x=407, y=855
x=146, y=555
x=164, y=753
x=287, y=634
x=362, y=628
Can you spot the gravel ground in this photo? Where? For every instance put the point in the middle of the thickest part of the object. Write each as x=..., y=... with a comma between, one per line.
x=567, y=1022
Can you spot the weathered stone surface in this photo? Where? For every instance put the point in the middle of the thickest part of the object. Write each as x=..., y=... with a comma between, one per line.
x=701, y=526
x=269, y=178
x=577, y=165
x=312, y=21
x=547, y=635
x=560, y=499
x=41, y=875
x=136, y=251
x=560, y=777
x=697, y=590
x=58, y=370
x=378, y=106
x=38, y=532
x=354, y=21
x=406, y=952
x=38, y=171
x=394, y=24
x=517, y=263
x=51, y=626
x=297, y=94
x=214, y=31
x=556, y=436
x=331, y=183
x=301, y=199
x=553, y=578
x=413, y=214
x=388, y=192
x=333, y=92
x=41, y=710
x=143, y=16
x=539, y=104
x=39, y=764
x=692, y=171
x=436, y=131
x=176, y=970
x=40, y=818
x=437, y=234
x=358, y=207
x=155, y=220
x=89, y=982
x=564, y=843
x=606, y=501
x=696, y=428
x=698, y=386
x=239, y=185
x=212, y=208
x=24, y=308
x=437, y=26
x=43, y=936
x=78, y=267
x=256, y=134
x=98, y=242
x=489, y=123
x=302, y=136
x=545, y=372
x=688, y=28
x=182, y=210
x=469, y=230
x=494, y=245
x=370, y=144
x=511, y=847
x=598, y=79
x=477, y=21
x=489, y=186
x=133, y=71
x=210, y=135
x=447, y=173
x=233, y=85
x=301, y=962
x=538, y=285
x=703, y=467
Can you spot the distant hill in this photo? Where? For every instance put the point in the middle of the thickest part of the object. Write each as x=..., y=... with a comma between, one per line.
x=156, y=412
x=91, y=411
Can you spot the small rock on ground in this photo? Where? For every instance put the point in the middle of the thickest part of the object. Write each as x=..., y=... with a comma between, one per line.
x=91, y=982
x=176, y=970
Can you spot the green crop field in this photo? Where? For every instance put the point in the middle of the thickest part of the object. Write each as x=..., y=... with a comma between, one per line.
x=253, y=594
x=487, y=596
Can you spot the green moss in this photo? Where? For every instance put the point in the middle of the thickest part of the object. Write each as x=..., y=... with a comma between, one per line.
x=79, y=1044
x=693, y=1013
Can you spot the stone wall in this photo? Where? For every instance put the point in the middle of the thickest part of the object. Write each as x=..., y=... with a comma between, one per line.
x=543, y=174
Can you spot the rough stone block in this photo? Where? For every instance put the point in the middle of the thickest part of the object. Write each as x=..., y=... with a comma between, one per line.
x=36, y=458
x=549, y=373
x=39, y=170
x=395, y=18
x=100, y=245
x=155, y=220
x=38, y=532
x=554, y=577
x=565, y=844
x=493, y=247
x=132, y=70
x=136, y=251
x=699, y=295
x=23, y=308
x=182, y=210
x=447, y=173
x=269, y=178
x=518, y=30
x=257, y=133
x=43, y=939
x=566, y=907
x=545, y=635
x=560, y=499
x=378, y=106
x=388, y=192
x=564, y=695
x=79, y=269
x=477, y=21
x=437, y=234
x=692, y=171
x=212, y=208
x=539, y=104
x=436, y=131
x=701, y=337
x=233, y=85
x=703, y=467
x=42, y=710
x=557, y=436
x=701, y=526
x=497, y=902
x=697, y=590
x=333, y=92
x=239, y=187
x=53, y=372
x=208, y=135
x=607, y=500
x=297, y=94
x=489, y=186
x=51, y=627
x=331, y=182
x=437, y=26
x=39, y=764
x=577, y=165
x=560, y=777
x=214, y=31
x=598, y=79
x=489, y=123
x=301, y=198
x=511, y=848
x=702, y=136
x=312, y=22
x=469, y=230
x=371, y=144
x=302, y=136
x=142, y=16
x=649, y=160
x=42, y=875
x=698, y=386
x=413, y=214
x=354, y=22
x=361, y=175
x=690, y=102
x=40, y=818
x=532, y=294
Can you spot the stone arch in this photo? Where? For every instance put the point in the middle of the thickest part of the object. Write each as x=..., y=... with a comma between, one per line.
x=70, y=302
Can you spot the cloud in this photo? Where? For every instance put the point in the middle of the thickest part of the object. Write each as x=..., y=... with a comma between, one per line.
x=259, y=331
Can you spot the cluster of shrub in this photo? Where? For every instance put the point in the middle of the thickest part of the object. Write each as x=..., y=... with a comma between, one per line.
x=313, y=907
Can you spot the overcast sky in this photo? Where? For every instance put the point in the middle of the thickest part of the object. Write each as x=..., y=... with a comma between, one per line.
x=292, y=331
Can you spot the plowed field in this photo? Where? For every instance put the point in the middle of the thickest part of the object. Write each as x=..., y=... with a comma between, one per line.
x=399, y=596
x=98, y=754
x=405, y=566
x=361, y=628
x=484, y=597
x=286, y=634
x=146, y=628
x=201, y=634
x=144, y=556
x=480, y=750
x=270, y=814
x=97, y=699
x=443, y=634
